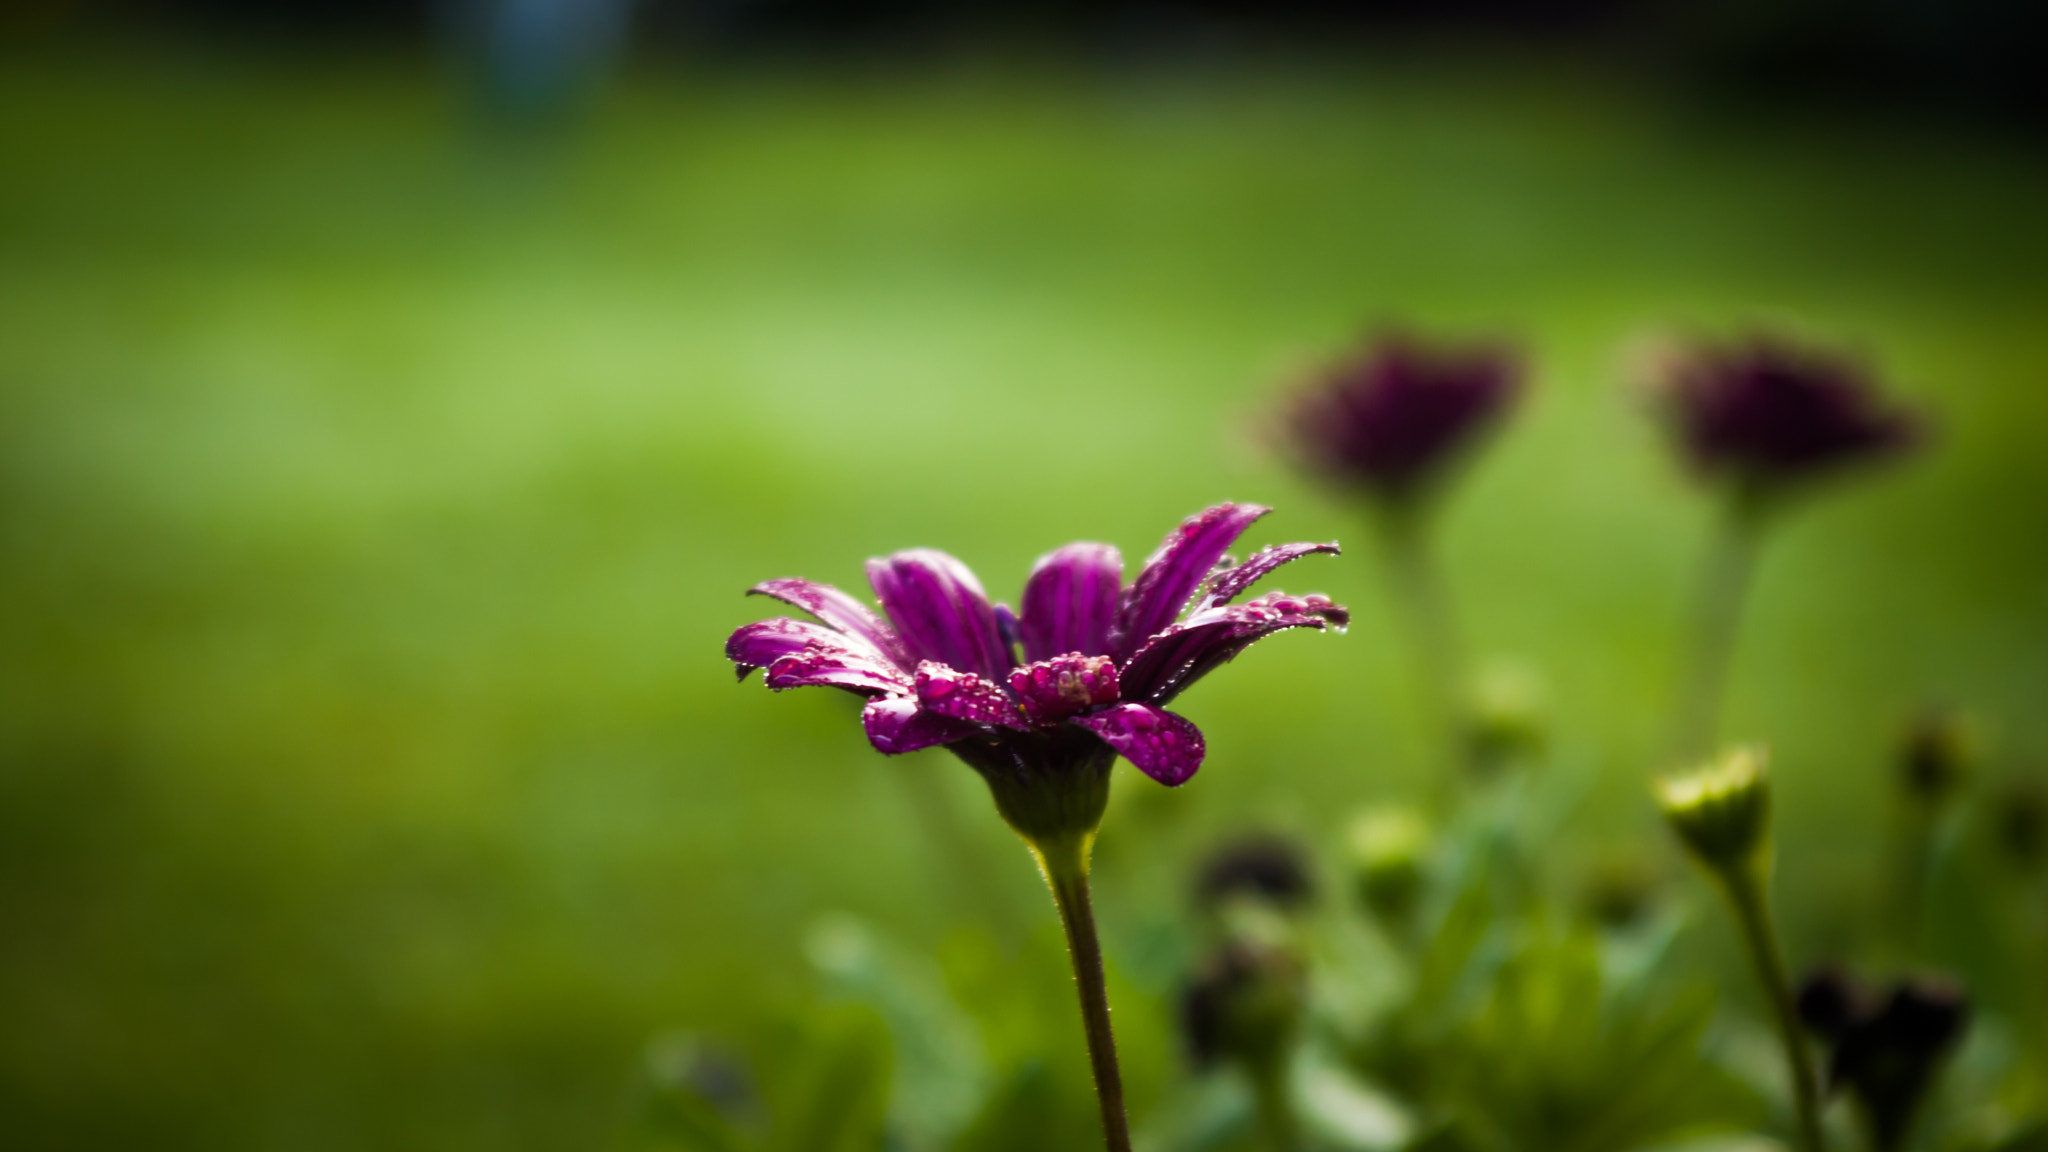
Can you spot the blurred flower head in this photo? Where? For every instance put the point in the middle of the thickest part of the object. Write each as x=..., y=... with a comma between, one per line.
x=1243, y=1004
x=1504, y=715
x=1886, y=1050
x=1722, y=810
x=1769, y=413
x=1620, y=888
x=1390, y=419
x=1099, y=660
x=1386, y=848
x=1936, y=754
x=2022, y=821
x=1271, y=870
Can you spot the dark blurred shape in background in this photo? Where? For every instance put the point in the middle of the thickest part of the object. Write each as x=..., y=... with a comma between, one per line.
x=1977, y=58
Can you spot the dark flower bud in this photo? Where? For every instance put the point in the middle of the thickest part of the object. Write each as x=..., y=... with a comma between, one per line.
x=1244, y=1004
x=1722, y=811
x=1619, y=890
x=1888, y=1058
x=1936, y=755
x=1269, y=869
x=2022, y=820
x=1830, y=1001
x=1391, y=418
x=1770, y=414
x=1386, y=848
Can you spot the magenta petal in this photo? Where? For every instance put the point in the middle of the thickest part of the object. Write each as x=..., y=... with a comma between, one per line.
x=1183, y=560
x=965, y=696
x=1052, y=690
x=763, y=643
x=839, y=610
x=1164, y=746
x=896, y=724
x=822, y=667
x=1231, y=582
x=1181, y=654
x=1070, y=601
x=941, y=612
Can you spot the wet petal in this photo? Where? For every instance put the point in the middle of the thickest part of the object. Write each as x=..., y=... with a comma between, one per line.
x=1181, y=654
x=1070, y=602
x=1164, y=746
x=941, y=612
x=822, y=667
x=839, y=610
x=1052, y=690
x=799, y=654
x=1183, y=560
x=965, y=696
x=1231, y=583
x=896, y=724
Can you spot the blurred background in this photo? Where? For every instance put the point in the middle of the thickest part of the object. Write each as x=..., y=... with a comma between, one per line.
x=396, y=399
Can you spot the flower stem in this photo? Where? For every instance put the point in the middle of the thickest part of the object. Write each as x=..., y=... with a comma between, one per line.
x=1752, y=907
x=1724, y=586
x=1425, y=612
x=1276, y=1118
x=1065, y=864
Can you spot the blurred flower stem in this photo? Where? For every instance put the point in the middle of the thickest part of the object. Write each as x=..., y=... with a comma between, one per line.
x=1717, y=624
x=1747, y=892
x=1064, y=860
x=1276, y=1117
x=1721, y=811
x=1423, y=605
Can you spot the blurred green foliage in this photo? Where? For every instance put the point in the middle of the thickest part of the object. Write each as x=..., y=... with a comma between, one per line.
x=374, y=497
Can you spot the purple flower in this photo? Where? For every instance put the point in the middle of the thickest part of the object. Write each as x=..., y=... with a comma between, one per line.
x=1099, y=661
x=1391, y=418
x=1768, y=413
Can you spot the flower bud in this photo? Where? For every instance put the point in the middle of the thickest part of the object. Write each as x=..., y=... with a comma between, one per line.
x=1619, y=890
x=1244, y=1005
x=1936, y=755
x=1386, y=848
x=1504, y=721
x=2023, y=824
x=1722, y=810
x=1268, y=869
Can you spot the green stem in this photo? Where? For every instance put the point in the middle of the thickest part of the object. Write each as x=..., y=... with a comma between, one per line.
x=1276, y=1118
x=1752, y=907
x=1425, y=613
x=1065, y=864
x=1724, y=586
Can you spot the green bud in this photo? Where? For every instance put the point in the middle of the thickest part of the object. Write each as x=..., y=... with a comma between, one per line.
x=1722, y=810
x=1386, y=848
x=1504, y=716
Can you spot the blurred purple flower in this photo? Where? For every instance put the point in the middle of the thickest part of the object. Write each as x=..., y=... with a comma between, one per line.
x=1391, y=418
x=1886, y=1051
x=1769, y=413
x=1100, y=659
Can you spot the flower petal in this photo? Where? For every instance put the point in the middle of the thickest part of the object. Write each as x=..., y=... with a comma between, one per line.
x=839, y=610
x=822, y=667
x=1166, y=747
x=896, y=724
x=1070, y=601
x=965, y=696
x=1231, y=582
x=1181, y=654
x=941, y=612
x=799, y=654
x=1179, y=566
x=1052, y=690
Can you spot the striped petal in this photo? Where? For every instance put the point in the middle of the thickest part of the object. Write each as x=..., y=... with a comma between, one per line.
x=1070, y=601
x=1181, y=654
x=1231, y=582
x=1184, y=559
x=839, y=610
x=940, y=611
x=897, y=724
x=1166, y=747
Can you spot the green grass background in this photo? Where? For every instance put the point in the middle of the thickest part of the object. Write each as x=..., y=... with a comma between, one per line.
x=375, y=496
